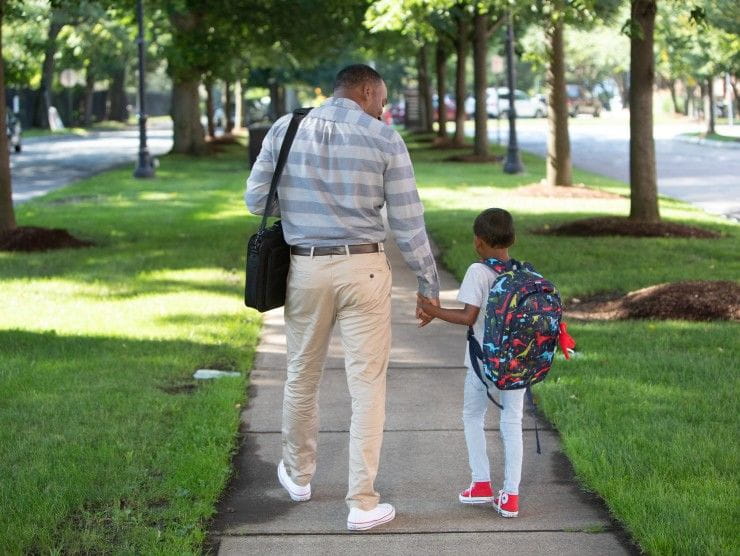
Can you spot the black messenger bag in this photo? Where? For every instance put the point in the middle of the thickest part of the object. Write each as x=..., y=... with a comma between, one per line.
x=268, y=256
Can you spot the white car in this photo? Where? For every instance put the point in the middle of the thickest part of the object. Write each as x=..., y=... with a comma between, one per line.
x=526, y=106
x=491, y=104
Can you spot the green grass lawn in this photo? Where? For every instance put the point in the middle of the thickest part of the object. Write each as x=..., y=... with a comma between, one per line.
x=714, y=137
x=109, y=445
x=648, y=411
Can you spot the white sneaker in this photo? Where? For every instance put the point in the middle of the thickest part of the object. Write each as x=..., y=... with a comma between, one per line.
x=361, y=520
x=297, y=493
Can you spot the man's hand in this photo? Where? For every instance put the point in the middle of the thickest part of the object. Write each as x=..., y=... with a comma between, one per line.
x=423, y=303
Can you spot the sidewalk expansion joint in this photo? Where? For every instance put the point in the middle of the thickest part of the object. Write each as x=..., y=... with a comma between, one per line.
x=398, y=533
x=397, y=367
x=342, y=431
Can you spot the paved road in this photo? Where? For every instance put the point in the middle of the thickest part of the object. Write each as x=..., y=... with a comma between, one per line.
x=704, y=175
x=48, y=163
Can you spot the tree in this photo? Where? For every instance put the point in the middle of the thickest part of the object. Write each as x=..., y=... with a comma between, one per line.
x=445, y=30
x=25, y=40
x=411, y=18
x=461, y=15
x=486, y=21
x=643, y=180
x=559, y=164
x=587, y=58
x=7, y=215
x=101, y=46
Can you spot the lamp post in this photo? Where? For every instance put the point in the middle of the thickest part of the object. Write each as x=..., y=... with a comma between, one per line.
x=144, y=167
x=513, y=163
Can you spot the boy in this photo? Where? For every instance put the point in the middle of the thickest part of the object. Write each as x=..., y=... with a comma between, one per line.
x=494, y=234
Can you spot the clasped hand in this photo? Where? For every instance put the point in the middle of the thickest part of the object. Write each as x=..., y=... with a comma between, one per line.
x=424, y=306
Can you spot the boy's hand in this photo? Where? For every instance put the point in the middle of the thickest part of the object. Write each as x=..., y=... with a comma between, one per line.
x=424, y=306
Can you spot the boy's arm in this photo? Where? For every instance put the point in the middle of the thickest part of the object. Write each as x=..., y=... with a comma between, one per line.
x=465, y=316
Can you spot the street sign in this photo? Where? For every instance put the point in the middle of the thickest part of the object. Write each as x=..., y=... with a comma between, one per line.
x=68, y=78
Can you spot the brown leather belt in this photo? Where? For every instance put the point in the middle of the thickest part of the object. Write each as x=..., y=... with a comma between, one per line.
x=336, y=249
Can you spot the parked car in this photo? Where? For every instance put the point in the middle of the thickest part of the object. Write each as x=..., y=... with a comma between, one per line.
x=526, y=106
x=449, y=104
x=398, y=112
x=13, y=129
x=542, y=99
x=581, y=101
x=491, y=104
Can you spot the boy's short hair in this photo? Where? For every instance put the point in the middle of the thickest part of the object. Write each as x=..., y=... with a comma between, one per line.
x=495, y=226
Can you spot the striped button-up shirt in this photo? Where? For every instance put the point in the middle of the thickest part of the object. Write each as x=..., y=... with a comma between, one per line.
x=343, y=167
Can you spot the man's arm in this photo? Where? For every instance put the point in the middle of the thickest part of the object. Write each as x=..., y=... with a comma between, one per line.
x=406, y=219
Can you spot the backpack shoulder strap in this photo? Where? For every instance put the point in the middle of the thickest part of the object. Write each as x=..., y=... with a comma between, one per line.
x=476, y=354
x=497, y=265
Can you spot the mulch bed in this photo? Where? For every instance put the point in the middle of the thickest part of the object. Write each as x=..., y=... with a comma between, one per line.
x=31, y=238
x=615, y=226
x=475, y=158
x=441, y=143
x=225, y=139
x=578, y=191
x=695, y=301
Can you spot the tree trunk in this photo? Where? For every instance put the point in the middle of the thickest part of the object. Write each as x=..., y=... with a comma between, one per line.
x=425, y=97
x=89, y=90
x=559, y=166
x=480, y=51
x=441, y=65
x=702, y=104
x=238, y=104
x=245, y=106
x=209, y=108
x=623, y=82
x=643, y=180
x=118, y=109
x=687, y=103
x=462, y=54
x=674, y=98
x=228, y=101
x=188, y=132
x=43, y=98
x=710, y=106
x=274, y=100
x=7, y=215
x=281, y=107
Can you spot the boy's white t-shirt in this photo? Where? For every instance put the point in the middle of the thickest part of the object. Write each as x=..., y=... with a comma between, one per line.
x=474, y=290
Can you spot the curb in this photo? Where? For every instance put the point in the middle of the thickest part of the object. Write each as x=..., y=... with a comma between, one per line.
x=707, y=142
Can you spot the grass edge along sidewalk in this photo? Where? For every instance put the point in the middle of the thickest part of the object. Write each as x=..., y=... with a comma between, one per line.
x=648, y=411
x=109, y=445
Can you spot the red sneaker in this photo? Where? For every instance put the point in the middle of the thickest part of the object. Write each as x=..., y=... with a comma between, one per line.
x=478, y=493
x=506, y=504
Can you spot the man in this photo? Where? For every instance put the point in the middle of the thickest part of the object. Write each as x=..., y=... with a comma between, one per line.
x=343, y=167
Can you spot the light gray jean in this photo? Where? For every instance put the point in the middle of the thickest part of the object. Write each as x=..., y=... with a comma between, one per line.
x=475, y=406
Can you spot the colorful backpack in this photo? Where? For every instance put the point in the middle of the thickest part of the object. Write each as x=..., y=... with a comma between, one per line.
x=521, y=329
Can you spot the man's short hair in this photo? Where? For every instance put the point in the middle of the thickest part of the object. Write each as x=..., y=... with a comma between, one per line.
x=355, y=75
x=495, y=226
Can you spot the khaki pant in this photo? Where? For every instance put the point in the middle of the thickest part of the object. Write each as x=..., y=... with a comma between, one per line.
x=355, y=291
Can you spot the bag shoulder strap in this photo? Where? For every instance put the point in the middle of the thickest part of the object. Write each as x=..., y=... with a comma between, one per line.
x=298, y=115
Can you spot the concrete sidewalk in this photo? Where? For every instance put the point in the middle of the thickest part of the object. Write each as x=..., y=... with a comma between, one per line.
x=423, y=464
